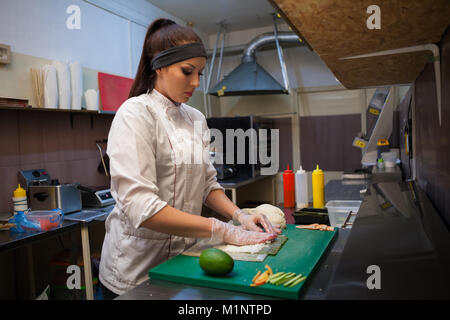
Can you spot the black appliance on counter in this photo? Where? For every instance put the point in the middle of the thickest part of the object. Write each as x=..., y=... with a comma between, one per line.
x=224, y=171
x=247, y=169
x=96, y=197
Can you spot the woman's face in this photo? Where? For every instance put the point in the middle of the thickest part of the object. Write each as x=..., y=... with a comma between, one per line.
x=178, y=81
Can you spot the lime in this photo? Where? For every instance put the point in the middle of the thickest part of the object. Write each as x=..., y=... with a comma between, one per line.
x=216, y=262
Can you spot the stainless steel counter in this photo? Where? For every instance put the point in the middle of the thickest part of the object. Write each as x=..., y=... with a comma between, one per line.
x=397, y=231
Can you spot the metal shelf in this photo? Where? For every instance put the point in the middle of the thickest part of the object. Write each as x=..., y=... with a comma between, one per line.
x=70, y=112
x=30, y=108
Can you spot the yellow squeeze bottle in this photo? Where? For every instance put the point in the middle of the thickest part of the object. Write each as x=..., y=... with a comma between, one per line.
x=20, y=200
x=318, y=188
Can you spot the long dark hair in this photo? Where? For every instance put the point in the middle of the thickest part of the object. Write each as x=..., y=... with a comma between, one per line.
x=162, y=34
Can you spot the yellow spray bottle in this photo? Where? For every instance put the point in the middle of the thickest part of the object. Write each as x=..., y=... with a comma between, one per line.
x=318, y=188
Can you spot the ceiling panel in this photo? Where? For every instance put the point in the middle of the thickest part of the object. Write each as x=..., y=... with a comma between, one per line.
x=337, y=29
x=208, y=14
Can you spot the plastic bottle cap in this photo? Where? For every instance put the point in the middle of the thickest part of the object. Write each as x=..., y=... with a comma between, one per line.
x=20, y=192
x=288, y=170
x=300, y=171
x=317, y=170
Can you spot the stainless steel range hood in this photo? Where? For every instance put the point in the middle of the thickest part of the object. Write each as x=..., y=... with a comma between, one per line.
x=249, y=78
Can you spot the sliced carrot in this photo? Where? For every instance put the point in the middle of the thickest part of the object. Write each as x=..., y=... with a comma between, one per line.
x=256, y=276
x=262, y=278
x=269, y=269
x=261, y=281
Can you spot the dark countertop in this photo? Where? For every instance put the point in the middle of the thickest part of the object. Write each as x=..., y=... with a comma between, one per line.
x=238, y=182
x=10, y=240
x=396, y=229
x=316, y=288
x=345, y=189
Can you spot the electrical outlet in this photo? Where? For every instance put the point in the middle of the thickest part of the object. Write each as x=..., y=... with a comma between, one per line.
x=5, y=53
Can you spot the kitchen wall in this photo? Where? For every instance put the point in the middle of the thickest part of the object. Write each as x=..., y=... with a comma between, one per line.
x=315, y=91
x=322, y=120
x=316, y=97
x=63, y=144
x=60, y=142
x=47, y=140
x=37, y=34
x=40, y=35
x=110, y=37
x=432, y=140
x=404, y=124
x=305, y=70
x=39, y=29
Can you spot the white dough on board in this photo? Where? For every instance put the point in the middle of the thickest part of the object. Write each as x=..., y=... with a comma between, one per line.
x=274, y=214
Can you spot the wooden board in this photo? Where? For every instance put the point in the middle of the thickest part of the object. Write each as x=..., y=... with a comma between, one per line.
x=337, y=29
x=114, y=90
x=300, y=254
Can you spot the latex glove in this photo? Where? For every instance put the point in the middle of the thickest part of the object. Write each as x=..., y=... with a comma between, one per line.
x=251, y=221
x=230, y=234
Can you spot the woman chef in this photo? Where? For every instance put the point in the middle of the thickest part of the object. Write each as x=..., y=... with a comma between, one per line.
x=159, y=192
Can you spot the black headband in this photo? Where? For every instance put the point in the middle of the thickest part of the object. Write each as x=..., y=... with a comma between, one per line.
x=177, y=54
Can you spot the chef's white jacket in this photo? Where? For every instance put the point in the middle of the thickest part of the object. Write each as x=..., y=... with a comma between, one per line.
x=159, y=155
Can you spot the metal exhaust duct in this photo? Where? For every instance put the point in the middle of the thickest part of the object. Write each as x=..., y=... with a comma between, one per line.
x=249, y=78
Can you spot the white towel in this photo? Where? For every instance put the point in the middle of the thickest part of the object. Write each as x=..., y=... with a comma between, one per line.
x=91, y=97
x=50, y=87
x=64, y=90
x=76, y=75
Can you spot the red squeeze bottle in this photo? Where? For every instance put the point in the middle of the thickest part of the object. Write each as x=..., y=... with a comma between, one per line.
x=289, y=188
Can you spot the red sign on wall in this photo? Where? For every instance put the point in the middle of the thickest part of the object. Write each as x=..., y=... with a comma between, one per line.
x=114, y=90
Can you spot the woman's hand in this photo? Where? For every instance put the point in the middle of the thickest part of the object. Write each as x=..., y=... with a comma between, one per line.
x=251, y=222
x=228, y=233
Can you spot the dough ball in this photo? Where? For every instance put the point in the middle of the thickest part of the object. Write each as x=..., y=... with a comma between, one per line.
x=274, y=214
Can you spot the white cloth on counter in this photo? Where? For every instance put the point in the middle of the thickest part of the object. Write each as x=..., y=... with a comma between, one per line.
x=50, y=87
x=147, y=136
x=64, y=89
x=76, y=76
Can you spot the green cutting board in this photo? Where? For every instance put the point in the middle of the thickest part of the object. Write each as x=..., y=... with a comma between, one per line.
x=299, y=254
